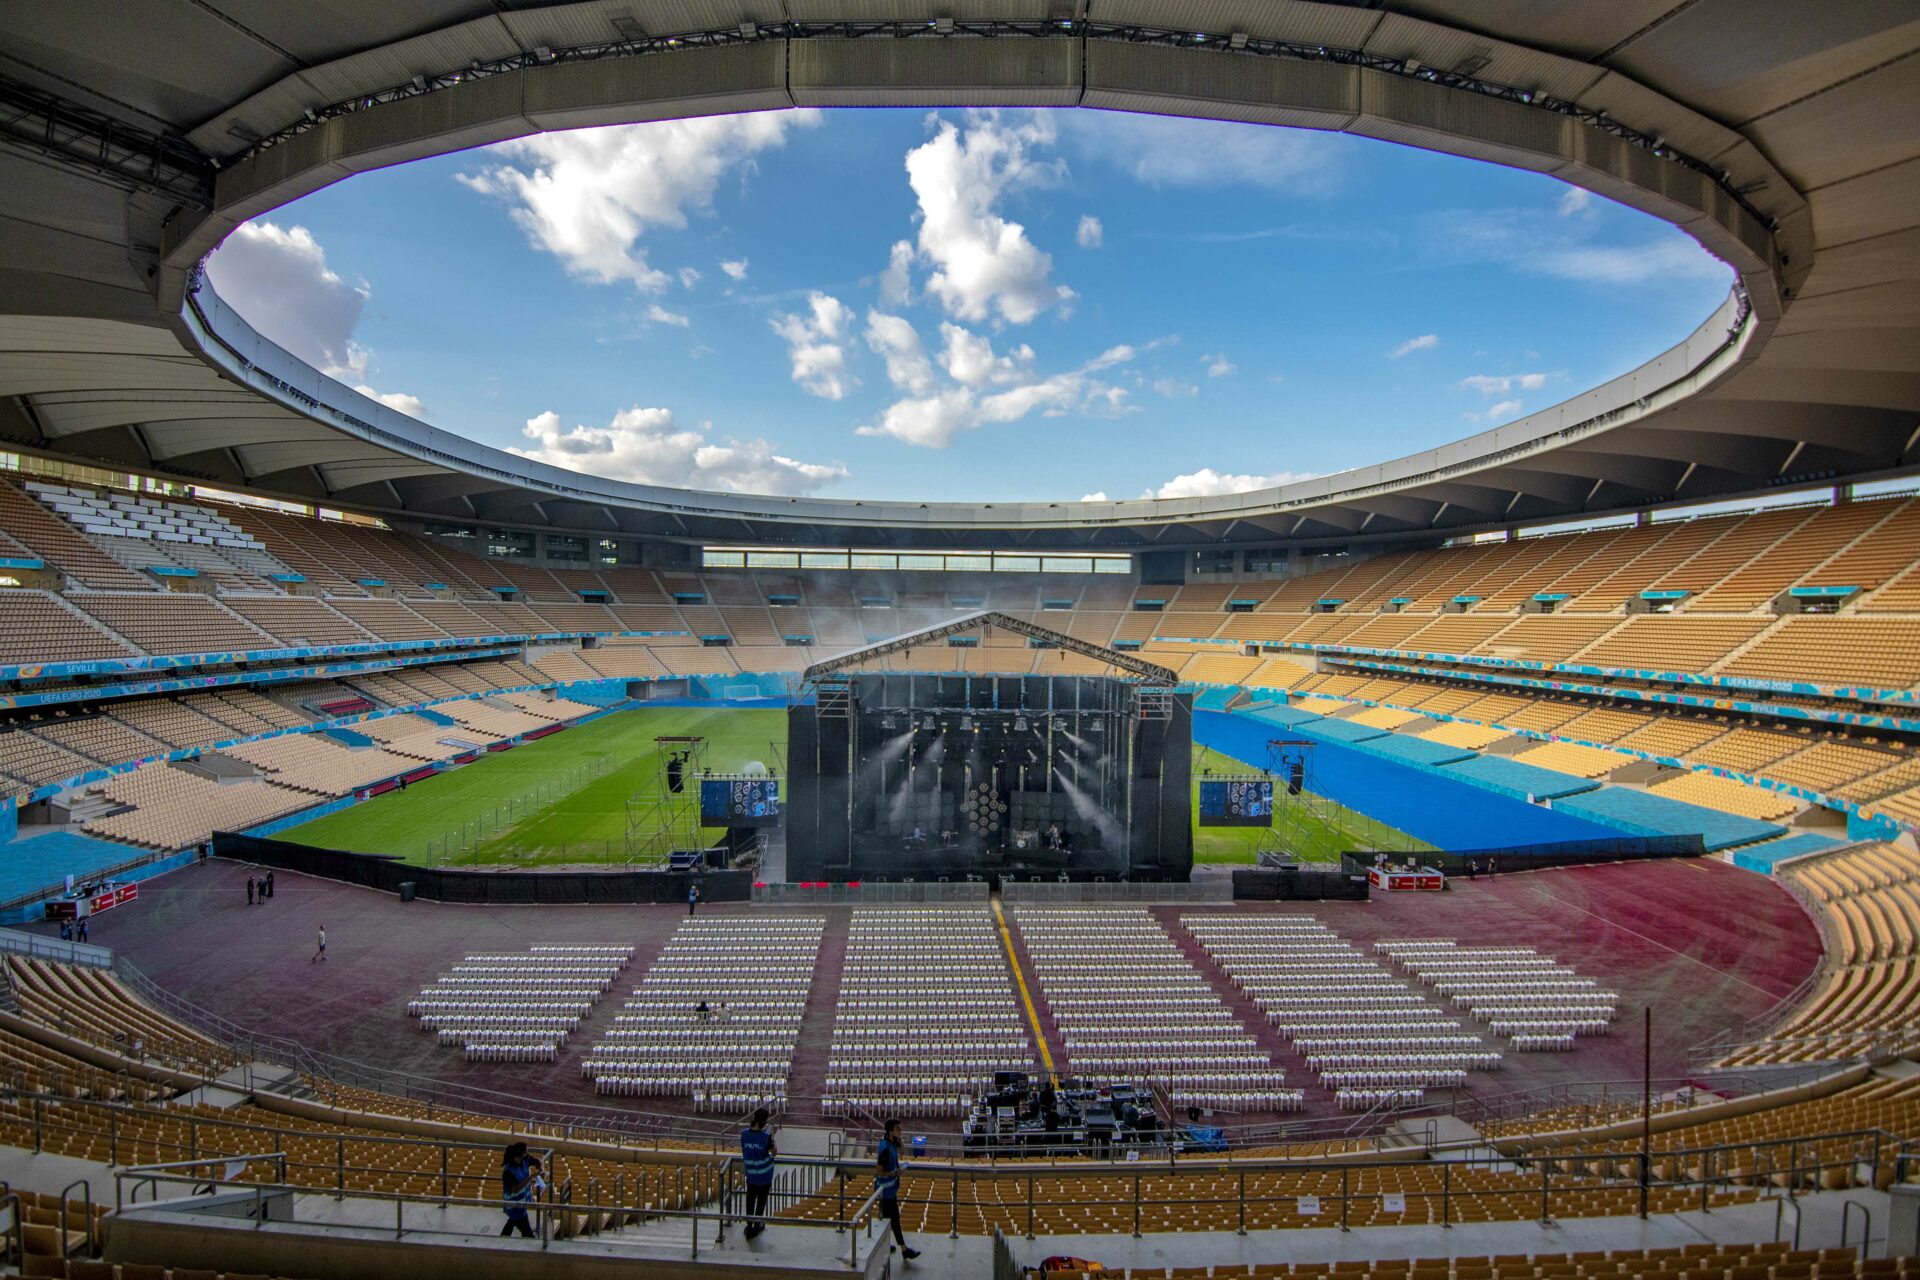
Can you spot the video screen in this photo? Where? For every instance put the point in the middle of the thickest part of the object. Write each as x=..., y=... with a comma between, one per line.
x=739, y=802
x=1236, y=803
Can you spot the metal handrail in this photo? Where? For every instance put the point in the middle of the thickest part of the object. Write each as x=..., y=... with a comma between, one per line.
x=559, y=1202
x=1866, y=1232
x=86, y=1196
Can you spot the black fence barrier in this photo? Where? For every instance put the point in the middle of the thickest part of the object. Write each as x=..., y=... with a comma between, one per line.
x=1533, y=857
x=387, y=873
x=1307, y=883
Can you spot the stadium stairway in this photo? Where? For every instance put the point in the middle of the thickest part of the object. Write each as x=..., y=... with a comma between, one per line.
x=807, y=1076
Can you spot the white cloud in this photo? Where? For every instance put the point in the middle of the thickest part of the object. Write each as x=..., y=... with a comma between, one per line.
x=1098, y=496
x=1090, y=234
x=1574, y=200
x=896, y=282
x=688, y=276
x=1503, y=409
x=1174, y=388
x=933, y=418
x=1671, y=258
x=1206, y=483
x=736, y=268
x=1424, y=342
x=1168, y=151
x=968, y=359
x=646, y=446
x=1499, y=384
x=898, y=343
x=277, y=277
x=1218, y=366
x=588, y=196
x=815, y=342
x=396, y=400
x=1545, y=244
x=660, y=315
x=983, y=265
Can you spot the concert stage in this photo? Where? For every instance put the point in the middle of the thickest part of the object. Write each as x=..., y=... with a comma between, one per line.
x=896, y=775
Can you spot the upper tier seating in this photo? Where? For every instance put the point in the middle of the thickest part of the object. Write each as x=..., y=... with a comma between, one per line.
x=1883, y=651
x=179, y=623
x=296, y=621
x=36, y=628
x=62, y=546
x=144, y=532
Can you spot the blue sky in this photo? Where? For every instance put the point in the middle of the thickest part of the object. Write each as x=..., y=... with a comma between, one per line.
x=979, y=306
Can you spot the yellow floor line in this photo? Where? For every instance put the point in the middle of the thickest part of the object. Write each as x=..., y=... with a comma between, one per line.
x=1026, y=997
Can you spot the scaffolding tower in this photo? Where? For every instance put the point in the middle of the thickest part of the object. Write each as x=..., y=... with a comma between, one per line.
x=668, y=818
x=1306, y=825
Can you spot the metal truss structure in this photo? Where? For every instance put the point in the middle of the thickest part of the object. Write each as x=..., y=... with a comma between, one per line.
x=1152, y=673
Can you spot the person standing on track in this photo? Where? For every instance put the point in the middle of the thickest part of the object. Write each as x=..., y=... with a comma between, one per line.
x=693, y=897
x=887, y=1164
x=321, y=954
x=757, y=1151
x=249, y=890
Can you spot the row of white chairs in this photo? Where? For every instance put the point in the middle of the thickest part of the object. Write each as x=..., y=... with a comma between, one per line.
x=915, y=1107
x=1375, y=1043
x=500, y=1021
x=691, y=1085
x=1519, y=986
x=839, y=1082
x=1542, y=1042
x=1486, y=1061
x=1512, y=1008
x=1238, y=1099
x=534, y=1008
x=1436, y=1078
x=525, y=983
x=893, y=1066
x=1369, y=1099
x=1550, y=1027
x=525, y=1052
x=1404, y=1020
x=497, y=1035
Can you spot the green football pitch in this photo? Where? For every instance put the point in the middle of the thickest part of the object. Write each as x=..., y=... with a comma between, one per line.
x=563, y=799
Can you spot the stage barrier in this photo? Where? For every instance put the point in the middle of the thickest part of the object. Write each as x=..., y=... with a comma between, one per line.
x=506, y=888
x=1311, y=882
x=1535, y=857
x=1088, y=893
x=871, y=894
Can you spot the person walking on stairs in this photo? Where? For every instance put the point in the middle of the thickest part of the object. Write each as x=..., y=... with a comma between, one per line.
x=757, y=1150
x=887, y=1165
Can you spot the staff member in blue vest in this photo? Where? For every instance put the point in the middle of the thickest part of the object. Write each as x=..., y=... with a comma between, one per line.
x=887, y=1164
x=757, y=1151
x=516, y=1190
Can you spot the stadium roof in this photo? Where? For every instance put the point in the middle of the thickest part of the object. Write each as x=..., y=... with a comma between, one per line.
x=1785, y=137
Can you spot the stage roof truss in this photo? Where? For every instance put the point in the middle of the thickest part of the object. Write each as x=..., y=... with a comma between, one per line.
x=1150, y=672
